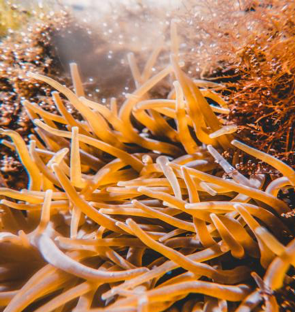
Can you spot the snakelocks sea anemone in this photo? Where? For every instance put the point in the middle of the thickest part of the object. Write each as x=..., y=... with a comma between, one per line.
x=135, y=208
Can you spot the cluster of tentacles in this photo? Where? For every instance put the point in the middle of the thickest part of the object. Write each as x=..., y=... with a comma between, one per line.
x=133, y=210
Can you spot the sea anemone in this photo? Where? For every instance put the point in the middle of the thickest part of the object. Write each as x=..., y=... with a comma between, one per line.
x=30, y=50
x=40, y=47
x=133, y=209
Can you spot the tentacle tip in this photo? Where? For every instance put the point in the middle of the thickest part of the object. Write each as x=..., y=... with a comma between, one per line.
x=213, y=216
x=224, y=248
x=162, y=160
x=260, y=230
x=183, y=168
x=176, y=83
x=141, y=189
x=36, y=121
x=49, y=192
x=24, y=102
x=32, y=75
x=129, y=221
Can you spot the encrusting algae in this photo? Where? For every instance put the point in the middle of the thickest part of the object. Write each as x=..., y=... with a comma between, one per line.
x=248, y=47
x=132, y=209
